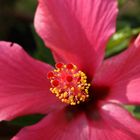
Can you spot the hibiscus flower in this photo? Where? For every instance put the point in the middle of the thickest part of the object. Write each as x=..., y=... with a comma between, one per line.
x=83, y=96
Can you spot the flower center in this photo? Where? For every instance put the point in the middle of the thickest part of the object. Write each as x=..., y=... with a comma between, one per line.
x=69, y=84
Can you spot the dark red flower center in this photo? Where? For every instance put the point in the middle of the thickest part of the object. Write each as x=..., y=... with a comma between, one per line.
x=69, y=84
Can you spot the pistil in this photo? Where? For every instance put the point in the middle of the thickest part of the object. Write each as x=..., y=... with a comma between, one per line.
x=69, y=84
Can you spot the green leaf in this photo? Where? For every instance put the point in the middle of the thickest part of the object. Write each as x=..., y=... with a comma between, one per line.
x=26, y=120
x=120, y=41
x=42, y=53
x=121, y=2
x=137, y=112
x=134, y=110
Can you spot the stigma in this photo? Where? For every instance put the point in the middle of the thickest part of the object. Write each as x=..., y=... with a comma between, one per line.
x=69, y=84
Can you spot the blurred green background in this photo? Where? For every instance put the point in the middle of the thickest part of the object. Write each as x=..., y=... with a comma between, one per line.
x=16, y=25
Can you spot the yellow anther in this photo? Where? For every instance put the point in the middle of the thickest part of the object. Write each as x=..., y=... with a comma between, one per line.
x=79, y=86
x=71, y=97
x=57, y=95
x=62, y=100
x=72, y=89
x=65, y=87
x=65, y=94
x=78, y=102
x=87, y=96
x=79, y=95
x=73, y=103
x=86, y=90
x=75, y=67
x=57, y=70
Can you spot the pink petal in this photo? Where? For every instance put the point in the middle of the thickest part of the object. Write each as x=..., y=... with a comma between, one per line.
x=122, y=75
x=57, y=126
x=77, y=30
x=108, y=123
x=24, y=88
x=114, y=123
